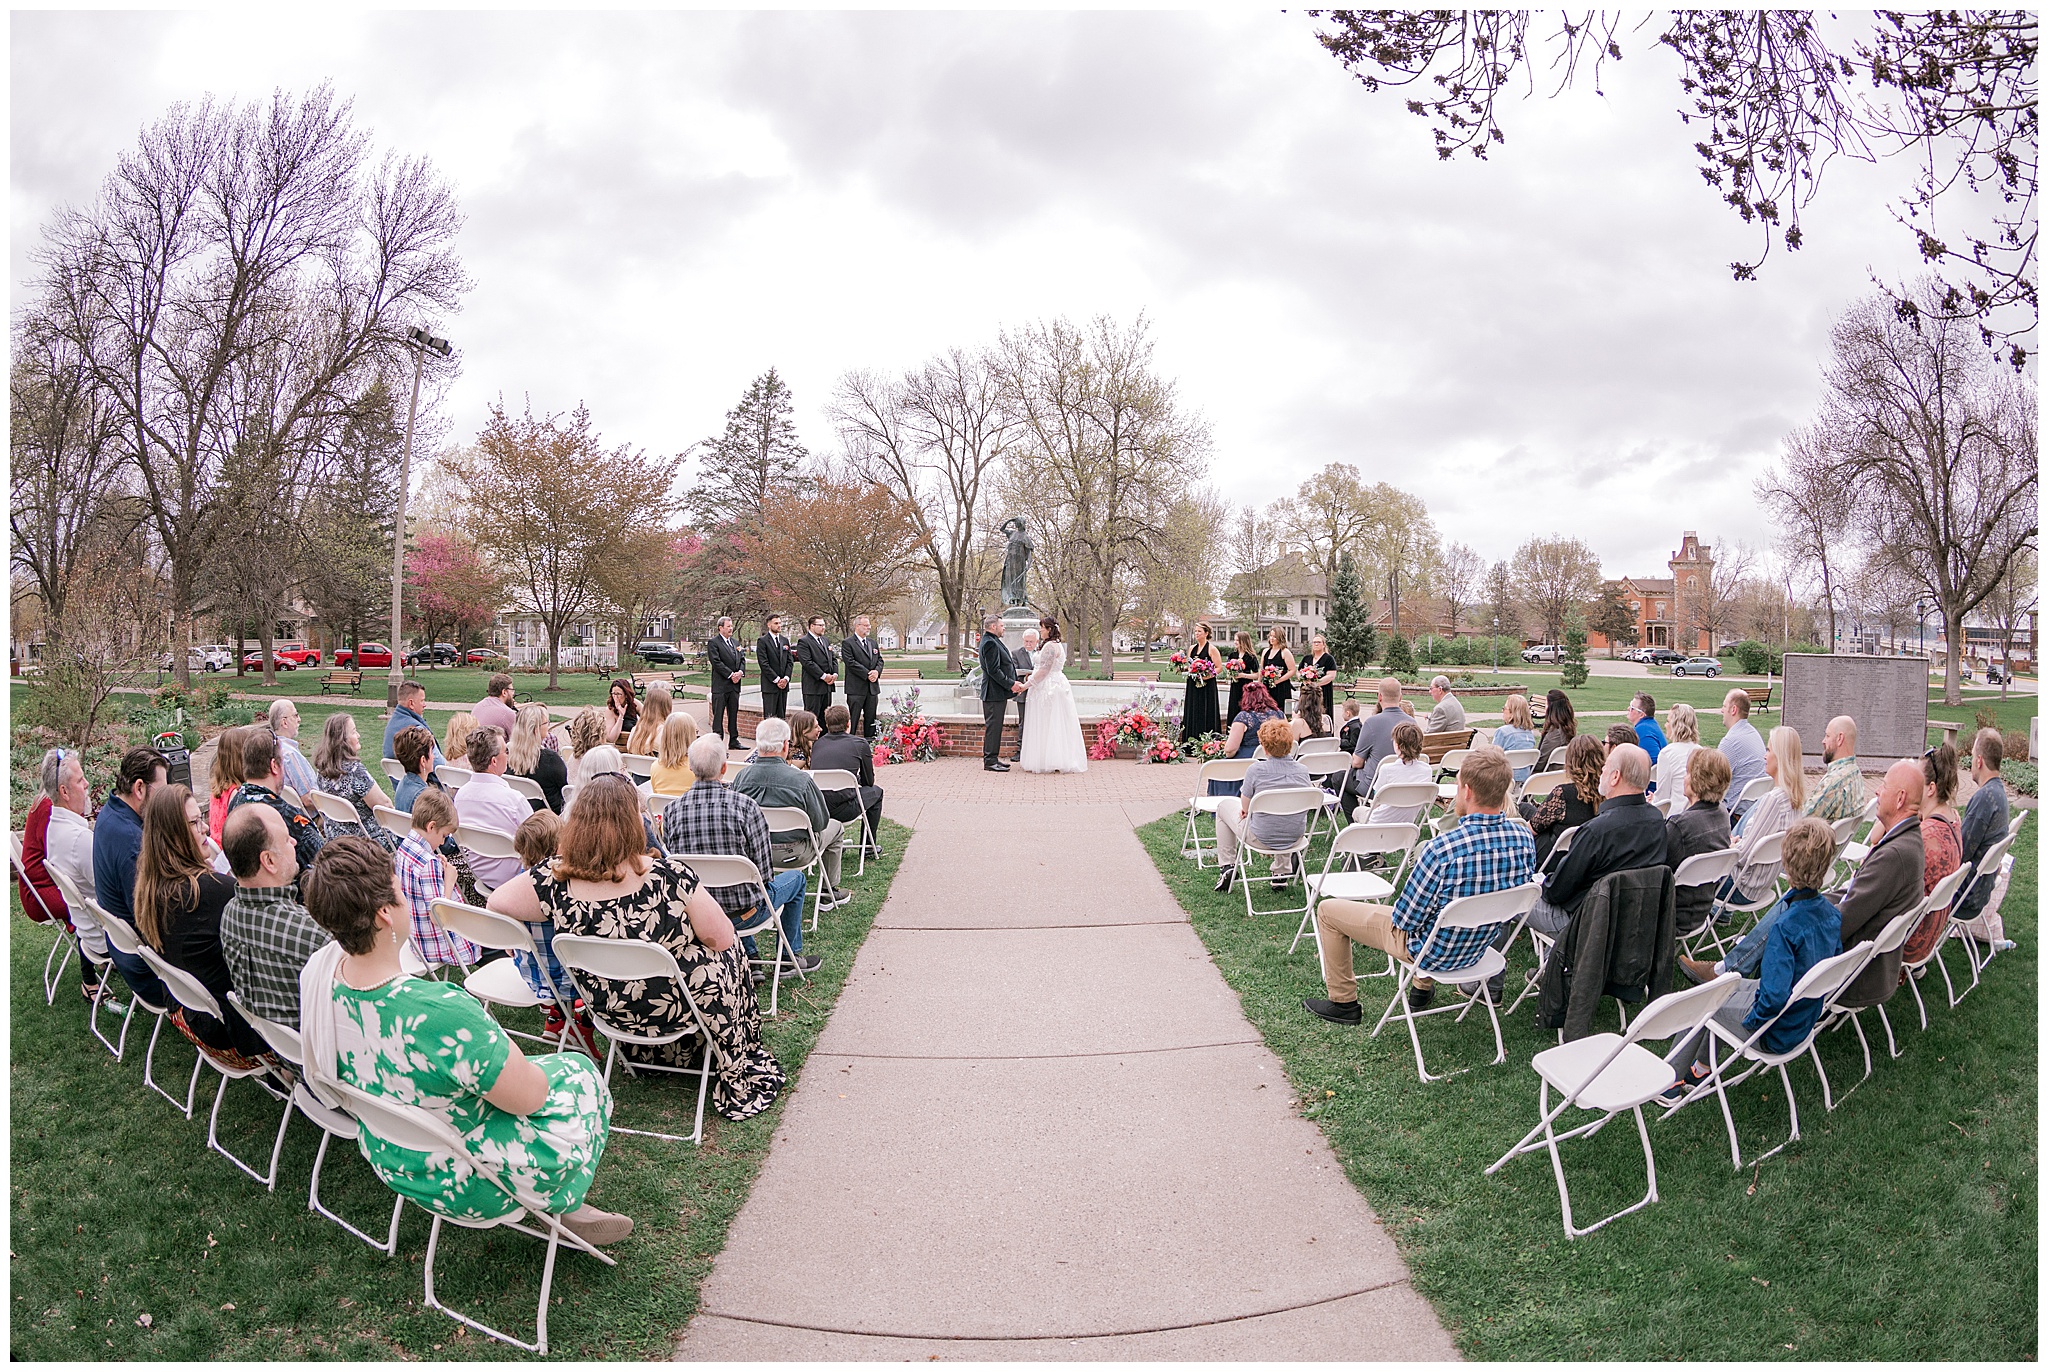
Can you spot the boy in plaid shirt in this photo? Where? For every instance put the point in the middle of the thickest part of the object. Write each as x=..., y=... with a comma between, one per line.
x=1486, y=852
x=425, y=877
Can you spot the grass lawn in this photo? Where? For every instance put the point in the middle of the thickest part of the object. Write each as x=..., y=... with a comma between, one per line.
x=120, y=1210
x=1901, y=1226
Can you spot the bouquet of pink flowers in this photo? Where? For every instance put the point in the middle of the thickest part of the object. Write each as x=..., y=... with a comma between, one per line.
x=908, y=735
x=1309, y=676
x=1179, y=661
x=1136, y=728
x=1271, y=675
x=1202, y=668
x=1203, y=748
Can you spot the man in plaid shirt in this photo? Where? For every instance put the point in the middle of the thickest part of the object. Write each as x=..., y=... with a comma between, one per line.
x=425, y=877
x=265, y=934
x=712, y=818
x=1486, y=852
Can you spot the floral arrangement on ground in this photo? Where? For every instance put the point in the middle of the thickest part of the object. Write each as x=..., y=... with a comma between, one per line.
x=1149, y=726
x=907, y=736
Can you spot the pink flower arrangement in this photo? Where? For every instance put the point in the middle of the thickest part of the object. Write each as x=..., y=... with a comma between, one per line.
x=1309, y=676
x=909, y=736
x=1202, y=669
x=1270, y=675
x=1135, y=728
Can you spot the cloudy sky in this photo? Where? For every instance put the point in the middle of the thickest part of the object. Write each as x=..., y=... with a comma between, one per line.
x=661, y=206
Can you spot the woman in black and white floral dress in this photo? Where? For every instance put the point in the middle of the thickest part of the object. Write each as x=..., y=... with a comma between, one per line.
x=606, y=884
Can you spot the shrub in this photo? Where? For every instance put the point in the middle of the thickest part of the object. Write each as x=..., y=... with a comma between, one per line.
x=1399, y=658
x=2015, y=746
x=1754, y=657
x=1574, y=674
x=2023, y=777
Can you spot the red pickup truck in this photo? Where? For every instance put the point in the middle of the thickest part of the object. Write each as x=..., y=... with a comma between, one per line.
x=363, y=655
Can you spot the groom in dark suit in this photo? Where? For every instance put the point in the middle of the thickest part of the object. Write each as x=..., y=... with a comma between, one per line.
x=999, y=685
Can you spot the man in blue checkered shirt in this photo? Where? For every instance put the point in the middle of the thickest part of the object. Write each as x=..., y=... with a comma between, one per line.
x=1486, y=852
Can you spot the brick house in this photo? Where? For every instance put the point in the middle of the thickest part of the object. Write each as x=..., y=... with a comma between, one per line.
x=1660, y=602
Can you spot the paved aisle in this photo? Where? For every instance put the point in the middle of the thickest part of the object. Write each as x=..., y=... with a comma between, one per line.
x=1038, y=1126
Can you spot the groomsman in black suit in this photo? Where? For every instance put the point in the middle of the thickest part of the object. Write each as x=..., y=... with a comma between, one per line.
x=728, y=671
x=771, y=653
x=863, y=677
x=820, y=664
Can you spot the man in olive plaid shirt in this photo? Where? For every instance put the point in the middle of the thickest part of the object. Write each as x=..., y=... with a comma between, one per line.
x=712, y=818
x=1486, y=852
x=265, y=934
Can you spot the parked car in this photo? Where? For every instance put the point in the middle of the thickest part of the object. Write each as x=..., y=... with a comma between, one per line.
x=298, y=654
x=483, y=657
x=1697, y=666
x=284, y=663
x=196, y=660
x=656, y=650
x=1996, y=675
x=363, y=655
x=1664, y=657
x=434, y=654
x=1543, y=652
x=1963, y=670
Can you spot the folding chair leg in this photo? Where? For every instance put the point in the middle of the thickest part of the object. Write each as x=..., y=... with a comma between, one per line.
x=1890, y=1040
x=149, y=1071
x=389, y=1247
x=1913, y=983
x=114, y=1046
x=276, y=1149
x=54, y=978
x=547, y=1280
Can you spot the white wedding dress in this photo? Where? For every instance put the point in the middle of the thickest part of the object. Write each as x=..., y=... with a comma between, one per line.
x=1052, y=739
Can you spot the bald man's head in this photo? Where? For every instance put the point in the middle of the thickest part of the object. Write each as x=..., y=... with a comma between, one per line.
x=1904, y=787
x=1627, y=772
x=1840, y=739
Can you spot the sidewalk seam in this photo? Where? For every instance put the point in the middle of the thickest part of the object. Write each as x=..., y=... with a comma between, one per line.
x=1037, y=1057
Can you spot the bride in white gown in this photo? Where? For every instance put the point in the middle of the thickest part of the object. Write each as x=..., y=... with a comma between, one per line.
x=1052, y=739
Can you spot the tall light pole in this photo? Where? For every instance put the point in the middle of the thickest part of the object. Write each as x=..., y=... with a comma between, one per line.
x=1920, y=624
x=420, y=341
x=1496, y=645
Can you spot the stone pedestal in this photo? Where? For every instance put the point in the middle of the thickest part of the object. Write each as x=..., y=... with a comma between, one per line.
x=1016, y=620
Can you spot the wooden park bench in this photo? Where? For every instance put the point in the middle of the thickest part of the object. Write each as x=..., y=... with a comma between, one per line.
x=1434, y=746
x=1949, y=730
x=642, y=680
x=1152, y=675
x=341, y=676
x=1759, y=697
x=899, y=673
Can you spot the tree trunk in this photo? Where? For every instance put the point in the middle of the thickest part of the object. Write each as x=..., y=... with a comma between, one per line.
x=266, y=643
x=952, y=639
x=1951, y=683
x=554, y=653
x=1109, y=609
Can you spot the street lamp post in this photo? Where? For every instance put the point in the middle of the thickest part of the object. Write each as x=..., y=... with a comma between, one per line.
x=1496, y=645
x=420, y=341
x=1920, y=624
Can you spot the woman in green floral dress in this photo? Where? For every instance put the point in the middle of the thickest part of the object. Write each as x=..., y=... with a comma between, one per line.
x=538, y=1123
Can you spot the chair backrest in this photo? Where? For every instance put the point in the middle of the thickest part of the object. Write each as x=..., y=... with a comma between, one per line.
x=1757, y=789
x=333, y=808
x=1405, y=793
x=835, y=779
x=1769, y=848
x=1324, y=744
x=119, y=932
x=410, y=1126
x=282, y=1038
x=1826, y=978
x=2012, y=830
x=1224, y=769
x=73, y=897
x=733, y=767
x=1681, y=1012
x=1287, y=800
x=1944, y=893
x=1894, y=934
x=527, y=787
x=1519, y=758
x=1703, y=869
x=485, y=928
x=786, y=819
x=639, y=764
x=1455, y=759
x=485, y=841
x=1845, y=829
x=1663, y=804
x=453, y=777
x=1325, y=764
x=616, y=959
x=1375, y=838
x=1543, y=783
x=14, y=858
x=393, y=768
x=1488, y=907
x=394, y=821
x=721, y=869
x=185, y=988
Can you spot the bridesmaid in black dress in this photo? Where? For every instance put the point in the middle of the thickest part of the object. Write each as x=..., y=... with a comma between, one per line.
x=1320, y=659
x=1278, y=654
x=1243, y=666
x=1198, y=714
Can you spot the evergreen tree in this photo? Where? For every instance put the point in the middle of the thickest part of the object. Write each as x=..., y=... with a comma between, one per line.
x=757, y=457
x=1574, y=673
x=1349, y=630
x=1400, y=661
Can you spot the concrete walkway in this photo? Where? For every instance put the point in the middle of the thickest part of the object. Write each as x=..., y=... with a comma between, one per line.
x=1038, y=1125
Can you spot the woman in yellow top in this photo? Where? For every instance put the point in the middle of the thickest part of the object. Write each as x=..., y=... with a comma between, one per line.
x=672, y=775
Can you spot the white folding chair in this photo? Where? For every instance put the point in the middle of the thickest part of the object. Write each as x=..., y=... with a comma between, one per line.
x=1666, y=804
x=123, y=938
x=527, y=787
x=1980, y=958
x=1521, y=758
x=1556, y=854
x=393, y=768
x=1360, y=840
x=1967, y=877
x=499, y=981
x=408, y=1126
x=1467, y=912
x=1321, y=768
x=1542, y=784
x=76, y=899
x=1705, y=869
x=641, y=765
x=1756, y=789
x=484, y=841
x=839, y=779
x=333, y=809
x=639, y=960
x=718, y=870
x=1768, y=849
x=333, y=1121
x=1889, y=940
x=193, y=995
x=395, y=822
x=1824, y=981
x=66, y=942
x=1610, y=1073
x=453, y=777
x=568, y=795
x=789, y=819
x=1282, y=800
x=1324, y=744
x=1453, y=763
x=1192, y=844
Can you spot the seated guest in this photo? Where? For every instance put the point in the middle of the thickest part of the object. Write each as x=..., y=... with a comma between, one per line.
x=1560, y=726
x=1986, y=820
x=1572, y=802
x=116, y=845
x=1517, y=731
x=606, y=884
x=1243, y=739
x=1642, y=715
x=1618, y=734
x=803, y=732
x=1742, y=745
x=839, y=749
x=412, y=699
x=530, y=754
x=487, y=802
x=1309, y=720
x=1449, y=712
x=621, y=713
x=264, y=767
x=1375, y=742
x=178, y=904
x=1804, y=929
x=1408, y=766
x=425, y=875
x=672, y=775
x=1941, y=839
x=654, y=712
x=586, y=731
x=1840, y=793
x=283, y=717
x=265, y=934
x=496, y=709
x=1684, y=740
x=1487, y=851
x=225, y=779
x=1275, y=769
x=455, y=739
x=542, y=1121
x=414, y=748
x=1348, y=725
x=537, y=841
x=1627, y=833
x=338, y=764
x=57, y=839
x=713, y=818
x=1701, y=827
x=1771, y=815
x=770, y=781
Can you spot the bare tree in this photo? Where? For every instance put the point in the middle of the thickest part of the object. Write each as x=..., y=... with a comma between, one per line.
x=1397, y=554
x=1331, y=512
x=2017, y=600
x=932, y=439
x=1556, y=576
x=1503, y=606
x=1251, y=552
x=1804, y=500
x=1458, y=582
